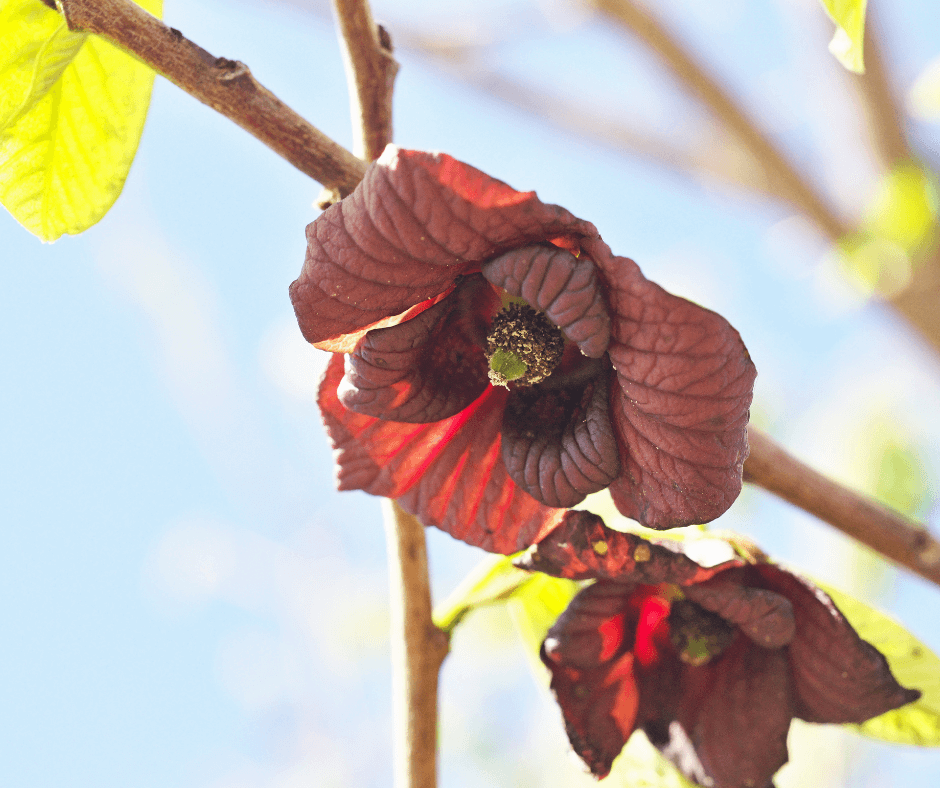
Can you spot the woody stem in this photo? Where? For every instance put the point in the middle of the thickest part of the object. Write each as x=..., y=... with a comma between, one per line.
x=907, y=543
x=418, y=649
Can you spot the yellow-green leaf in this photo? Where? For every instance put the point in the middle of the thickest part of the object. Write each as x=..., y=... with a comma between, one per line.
x=36, y=45
x=493, y=580
x=913, y=664
x=640, y=765
x=848, y=42
x=75, y=124
x=535, y=606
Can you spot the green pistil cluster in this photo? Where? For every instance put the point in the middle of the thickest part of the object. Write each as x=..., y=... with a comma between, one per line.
x=698, y=635
x=523, y=346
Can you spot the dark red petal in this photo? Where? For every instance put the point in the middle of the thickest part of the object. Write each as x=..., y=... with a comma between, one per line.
x=730, y=727
x=764, y=616
x=561, y=285
x=558, y=444
x=449, y=473
x=415, y=222
x=838, y=677
x=593, y=684
x=681, y=407
x=582, y=547
x=425, y=369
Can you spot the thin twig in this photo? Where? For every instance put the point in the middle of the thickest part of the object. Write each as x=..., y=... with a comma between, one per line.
x=788, y=181
x=907, y=543
x=416, y=655
x=716, y=156
x=418, y=647
x=225, y=85
x=879, y=101
x=919, y=301
x=370, y=74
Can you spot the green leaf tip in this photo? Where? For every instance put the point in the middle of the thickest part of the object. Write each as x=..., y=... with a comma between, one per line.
x=72, y=110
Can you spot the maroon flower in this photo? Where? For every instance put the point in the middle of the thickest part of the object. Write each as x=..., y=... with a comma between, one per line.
x=439, y=281
x=712, y=664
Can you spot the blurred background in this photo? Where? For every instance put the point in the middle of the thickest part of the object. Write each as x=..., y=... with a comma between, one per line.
x=185, y=599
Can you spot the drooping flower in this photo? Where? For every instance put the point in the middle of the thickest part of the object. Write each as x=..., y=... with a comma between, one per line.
x=501, y=363
x=711, y=663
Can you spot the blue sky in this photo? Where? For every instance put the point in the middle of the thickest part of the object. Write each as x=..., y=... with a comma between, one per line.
x=185, y=599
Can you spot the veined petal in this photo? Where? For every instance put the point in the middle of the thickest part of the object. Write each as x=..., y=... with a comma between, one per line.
x=448, y=473
x=428, y=368
x=558, y=443
x=562, y=286
x=838, y=677
x=730, y=727
x=593, y=683
x=582, y=547
x=680, y=408
x=765, y=616
x=416, y=222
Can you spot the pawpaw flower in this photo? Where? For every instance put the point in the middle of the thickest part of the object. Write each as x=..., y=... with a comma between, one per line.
x=496, y=363
x=711, y=664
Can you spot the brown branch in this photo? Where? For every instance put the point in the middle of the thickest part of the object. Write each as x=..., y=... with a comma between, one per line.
x=907, y=543
x=370, y=74
x=418, y=650
x=717, y=158
x=225, y=85
x=787, y=181
x=883, y=112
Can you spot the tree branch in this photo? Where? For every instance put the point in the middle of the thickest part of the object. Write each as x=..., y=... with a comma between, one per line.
x=789, y=183
x=418, y=647
x=716, y=156
x=418, y=650
x=907, y=543
x=370, y=74
x=225, y=85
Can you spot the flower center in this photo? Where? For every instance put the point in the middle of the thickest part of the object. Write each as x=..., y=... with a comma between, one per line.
x=523, y=346
x=698, y=635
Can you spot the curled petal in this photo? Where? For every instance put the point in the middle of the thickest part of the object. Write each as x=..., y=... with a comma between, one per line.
x=730, y=727
x=593, y=684
x=428, y=368
x=582, y=547
x=838, y=677
x=561, y=285
x=415, y=222
x=764, y=616
x=680, y=408
x=448, y=473
x=558, y=444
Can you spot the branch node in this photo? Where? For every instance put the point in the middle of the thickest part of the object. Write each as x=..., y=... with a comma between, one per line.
x=230, y=69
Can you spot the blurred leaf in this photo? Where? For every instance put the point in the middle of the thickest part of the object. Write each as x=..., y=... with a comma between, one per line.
x=923, y=98
x=848, y=42
x=903, y=208
x=899, y=483
x=493, y=580
x=641, y=765
x=535, y=606
x=73, y=110
x=913, y=665
x=900, y=223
